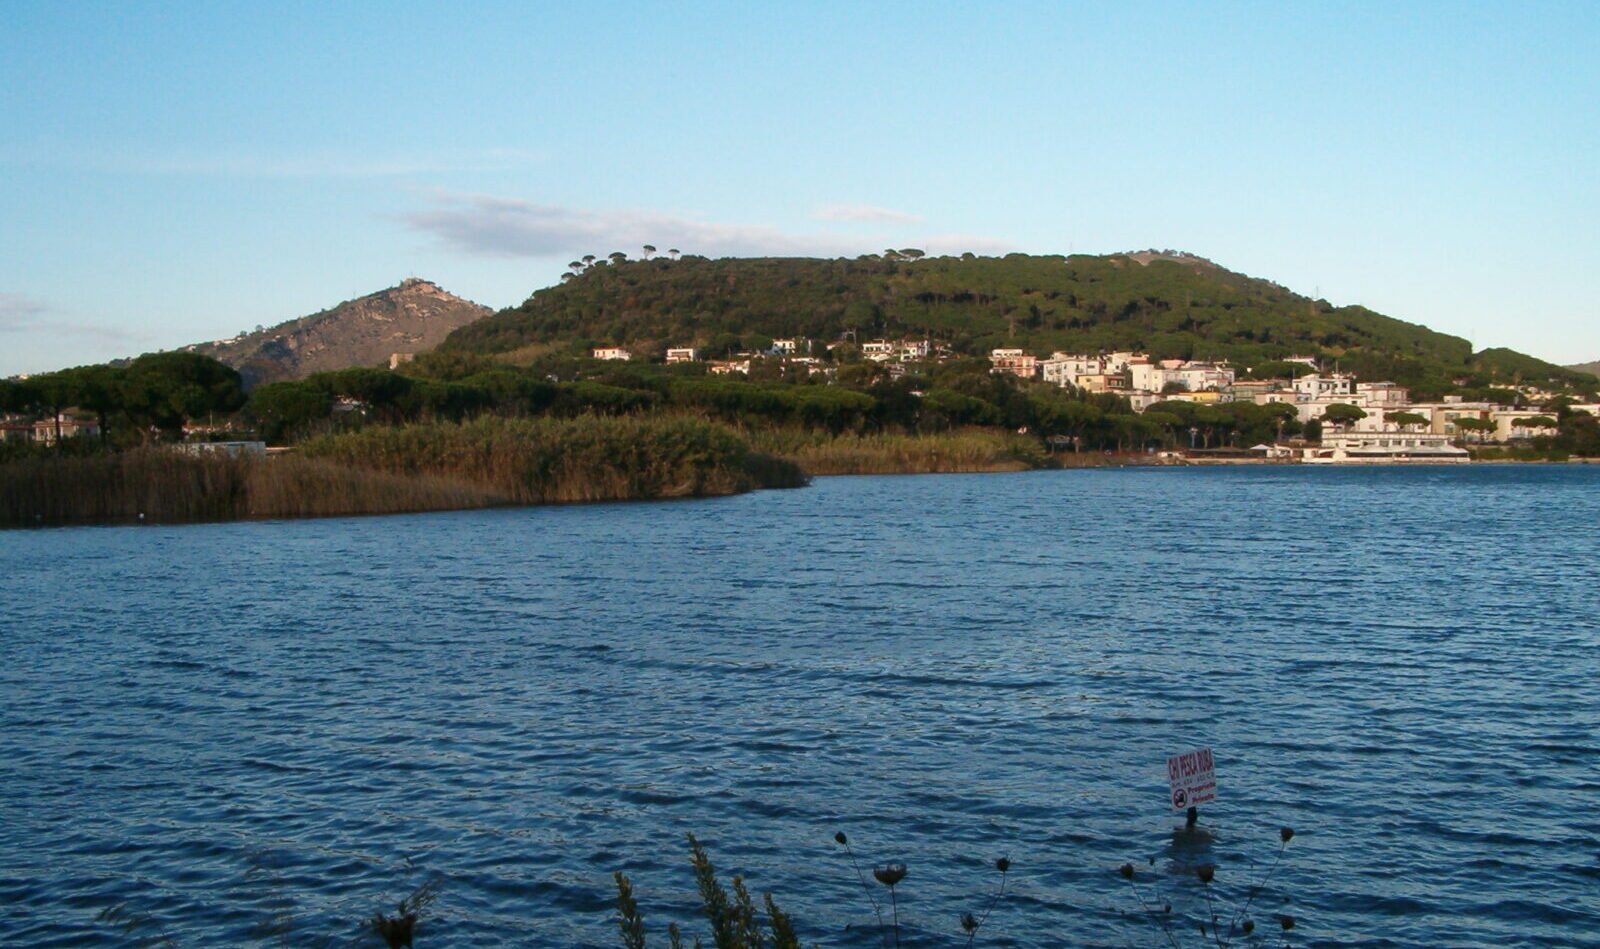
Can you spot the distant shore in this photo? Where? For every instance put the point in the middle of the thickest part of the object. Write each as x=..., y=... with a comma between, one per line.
x=512, y=463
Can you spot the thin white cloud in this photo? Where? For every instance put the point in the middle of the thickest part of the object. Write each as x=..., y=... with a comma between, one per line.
x=20, y=315
x=485, y=225
x=864, y=213
x=947, y=245
x=490, y=226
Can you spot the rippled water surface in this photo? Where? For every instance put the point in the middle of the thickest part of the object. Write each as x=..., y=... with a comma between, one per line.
x=231, y=730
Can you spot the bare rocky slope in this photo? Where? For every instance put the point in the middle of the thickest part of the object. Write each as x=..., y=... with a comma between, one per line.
x=411, y=318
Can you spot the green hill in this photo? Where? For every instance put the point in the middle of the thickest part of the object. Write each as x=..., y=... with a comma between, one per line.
x=1170, y=305
x=1591, y=368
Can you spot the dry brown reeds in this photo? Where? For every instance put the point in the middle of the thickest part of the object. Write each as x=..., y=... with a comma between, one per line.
x=162, y=486
x=820, y=453
x=383, y=470
x=550, y=460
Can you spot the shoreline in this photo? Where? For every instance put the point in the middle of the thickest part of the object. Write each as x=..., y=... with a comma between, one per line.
x=393, y=493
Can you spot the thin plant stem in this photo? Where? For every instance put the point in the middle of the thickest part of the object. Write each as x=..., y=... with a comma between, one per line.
x=1256, y=890
x=993, y=900
x=1216, y=934
x=877, y=909
x=1166, y=929
x=896, y=906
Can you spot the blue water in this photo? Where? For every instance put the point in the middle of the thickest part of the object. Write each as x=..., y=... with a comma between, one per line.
x=236, y=731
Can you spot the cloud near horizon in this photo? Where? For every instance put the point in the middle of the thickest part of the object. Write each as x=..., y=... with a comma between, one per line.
x=20, y=315
x=491, y=226
x=864, y=213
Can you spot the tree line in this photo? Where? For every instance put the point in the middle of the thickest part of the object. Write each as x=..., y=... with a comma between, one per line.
x=153, y=397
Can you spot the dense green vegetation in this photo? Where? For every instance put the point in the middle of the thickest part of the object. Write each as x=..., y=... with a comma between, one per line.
x=145, y=401
x=1170, y=306
x=943, y=399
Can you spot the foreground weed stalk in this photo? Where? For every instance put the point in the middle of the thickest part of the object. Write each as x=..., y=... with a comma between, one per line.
x=397, y=931
x=735, y=923
x=972, y=925
x=877, y=909
x=890, y=874
x=1239, y=924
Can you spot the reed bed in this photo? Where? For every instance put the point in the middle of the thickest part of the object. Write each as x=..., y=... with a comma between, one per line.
x=308, y=487
x=819, y=453
x=384, y=470
x=162, y=486
x=550, y=460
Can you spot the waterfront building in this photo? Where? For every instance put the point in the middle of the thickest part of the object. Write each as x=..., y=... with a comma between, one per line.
x=1354, y=448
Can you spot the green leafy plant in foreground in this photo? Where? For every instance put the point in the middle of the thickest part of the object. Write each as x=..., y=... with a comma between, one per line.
x=735, y=923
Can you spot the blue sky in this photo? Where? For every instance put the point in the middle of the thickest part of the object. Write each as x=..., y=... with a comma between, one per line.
x=171, y=173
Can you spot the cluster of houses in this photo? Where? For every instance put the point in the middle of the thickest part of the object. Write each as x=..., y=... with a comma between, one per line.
x=895, y=356
x=200, y=438
x=44, y=431
x=1392, y=422
x=794, y=351
x=1393, y=426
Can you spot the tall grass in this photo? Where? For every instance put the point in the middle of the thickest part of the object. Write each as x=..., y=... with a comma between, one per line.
x=309, y=487
x=396, y=470
x=820, y=453
x=551, y=460
x=164, y=486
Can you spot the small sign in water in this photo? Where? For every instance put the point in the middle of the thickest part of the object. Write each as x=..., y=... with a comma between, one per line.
x=1193, y=777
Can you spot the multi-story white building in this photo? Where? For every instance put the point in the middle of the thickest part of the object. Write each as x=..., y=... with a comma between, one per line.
x=878, y=350
x=1512, y=424
x=1063, y=369
x=612, y=352
x=914, y=350
x=1193, y=376
x=44, y=430
x=1015, y=361
x=1103, y=382
x=1318, y=386
x=1381, y=395
x=686, y=354
x=1118, y=361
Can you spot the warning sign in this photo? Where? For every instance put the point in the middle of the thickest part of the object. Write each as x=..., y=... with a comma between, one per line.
x=1193, y=777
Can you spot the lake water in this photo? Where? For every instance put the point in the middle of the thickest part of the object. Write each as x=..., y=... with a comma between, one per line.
x=233, y=730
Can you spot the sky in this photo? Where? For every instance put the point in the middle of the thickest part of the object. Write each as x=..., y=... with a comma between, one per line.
x=176, y=172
